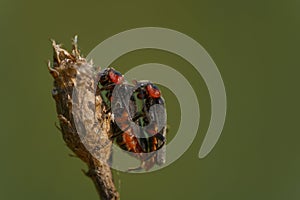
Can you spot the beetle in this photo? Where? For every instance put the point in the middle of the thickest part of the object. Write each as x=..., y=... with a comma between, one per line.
x=149, y=117
x=136, y=127
x=107, y=80
x=122, y=133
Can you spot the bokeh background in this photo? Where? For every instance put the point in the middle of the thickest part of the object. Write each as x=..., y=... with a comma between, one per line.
x=255, y=44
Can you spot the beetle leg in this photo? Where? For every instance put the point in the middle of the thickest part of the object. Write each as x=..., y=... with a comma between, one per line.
x=119, y=132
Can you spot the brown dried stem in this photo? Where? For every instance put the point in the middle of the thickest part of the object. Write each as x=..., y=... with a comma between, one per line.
x=91, y=140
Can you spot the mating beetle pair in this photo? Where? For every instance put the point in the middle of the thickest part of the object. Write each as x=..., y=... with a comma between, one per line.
x=139, y=116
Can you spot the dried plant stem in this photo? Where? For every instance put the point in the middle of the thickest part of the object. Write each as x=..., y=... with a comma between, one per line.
x=65, y=70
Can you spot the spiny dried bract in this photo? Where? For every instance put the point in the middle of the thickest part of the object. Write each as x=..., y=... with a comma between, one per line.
x=76, y=105
x=73, y=110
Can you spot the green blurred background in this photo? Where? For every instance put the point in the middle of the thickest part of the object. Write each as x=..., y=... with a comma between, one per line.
x=255, y=44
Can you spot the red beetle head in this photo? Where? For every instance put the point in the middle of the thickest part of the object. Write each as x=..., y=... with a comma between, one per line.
x=153, y=91
x=115, y=76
